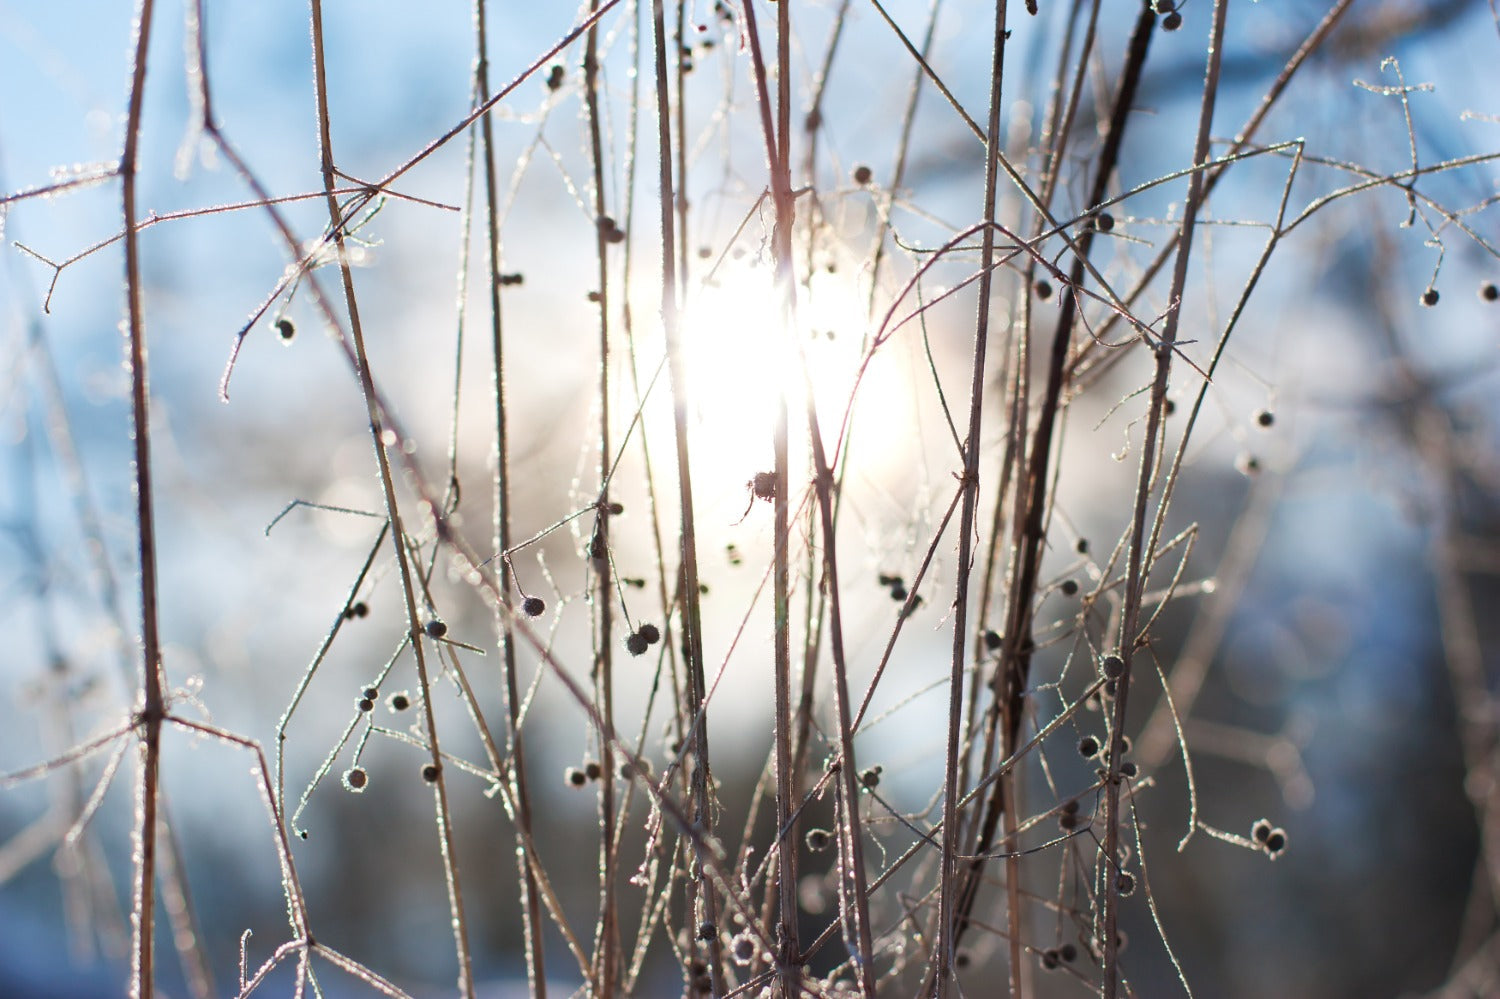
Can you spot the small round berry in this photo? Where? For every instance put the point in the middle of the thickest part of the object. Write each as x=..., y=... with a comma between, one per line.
x=650, y=632
x=1067, y=821
x=361, y=609
x=1169, y=407
x=356, y=779
x=365, y=704
x=1430, y=297
x=576, y=777
x=370, y=693
x=615, y=509
x=302, y=833
x=1043, y=289
x=818, y=840
x=1088, y=747
x=870, y=778
x=1070, y=807
x=1049, y=958
x=592, y=770
x=555, y=76
x=1113, y=667
x=1067, y=952
x=430, y=772
x=285, y=328
x=636, y=644
x=1264, y=418
x=533, y=606
x=1128, y=770
x=435, y=629
x=1275, y=842
x=1164, y=6
x=1489, y=292
x=862, y=175
x=1068, y=587
x=1171, y=22
x=1261, y=831
x=707, y=931
x=398, y=701
x=1104, y=221
x=898, y=592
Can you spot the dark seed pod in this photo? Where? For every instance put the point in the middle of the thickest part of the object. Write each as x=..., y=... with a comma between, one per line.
x=1067, y=821
x=1088, y=747
x=871, y=777
x=533, y=606
x=555, y=77
x=650, y=633
x=430, y=772
x=1104, y=221
x=371, y=693
x=615, y=509
x=992, y=640
x=1082, y=546
x=285, y=328
x=1264, y=418
x=1488, y=292
x=764, y=485
x=592, y=770
x=707, y=931
x=1113, y=667
x=365, y=704
x=862, y=174
x=576, y=777
x=399, y=701
x=1067, y=952
x=636, y=644
x=435, y=629
x=1043, y=289
x=516, y=278
x=356, y=779
x=1129, y=770
x=1430, y=297
x=1068, y=587
x=361, y=609
x=1049, y=958
x=1171, y=22
x=1275, y=842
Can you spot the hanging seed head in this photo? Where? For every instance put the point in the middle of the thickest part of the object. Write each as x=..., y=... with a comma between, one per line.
x=1113, y=667
x=1069, y=587
x=1430, y=297
x=533, y=606
x=285, y=329
x=399, y=700
x=1488, y=292
x=870, y=778
x=1275, y=842
x=1050, y=958
x=1261, y=831
x=636, y=644
x=1088, y=747
x=592, y=770
x=1043, y=289
x=365, y=704
x=1171, y=22
x=707, y=931
x=576, y=777
x=435, y=629
x=356, y=779
x=650, y=633
x=992, y=640
x=862, y=175
x=430, y=772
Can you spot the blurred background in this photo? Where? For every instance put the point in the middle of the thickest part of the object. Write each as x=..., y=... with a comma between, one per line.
x=1336, y=632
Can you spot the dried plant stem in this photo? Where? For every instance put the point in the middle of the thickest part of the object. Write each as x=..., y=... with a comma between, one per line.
x=414, y=622
x=951, y=890
x=531, y=914
x=701, y=894
x=152, y=709
x=1138, y=560
x=607, y=934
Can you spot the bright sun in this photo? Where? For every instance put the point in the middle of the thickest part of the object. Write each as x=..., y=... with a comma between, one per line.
x=740, y=358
